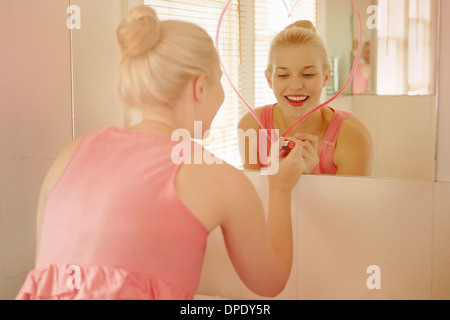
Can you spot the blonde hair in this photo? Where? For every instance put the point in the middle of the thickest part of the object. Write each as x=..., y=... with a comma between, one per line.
x=159, y=57
x=301, y=32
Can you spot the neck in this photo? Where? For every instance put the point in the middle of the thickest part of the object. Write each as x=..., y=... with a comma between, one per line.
x=166, y=118
x=158, y=123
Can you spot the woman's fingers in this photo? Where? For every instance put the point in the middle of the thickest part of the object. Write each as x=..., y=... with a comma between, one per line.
x=314, y=140
x=285, y=170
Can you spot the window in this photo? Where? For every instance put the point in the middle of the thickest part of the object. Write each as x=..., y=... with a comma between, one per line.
x=246, y=33
x=405, y=54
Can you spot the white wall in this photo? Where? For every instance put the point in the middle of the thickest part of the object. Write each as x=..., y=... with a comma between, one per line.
x=403, y=129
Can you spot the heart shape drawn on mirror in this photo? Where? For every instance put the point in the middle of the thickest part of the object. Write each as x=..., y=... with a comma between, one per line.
x=355, y=65
x=292, y=9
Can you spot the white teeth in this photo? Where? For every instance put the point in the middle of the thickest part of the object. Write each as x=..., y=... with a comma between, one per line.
x=297, y=98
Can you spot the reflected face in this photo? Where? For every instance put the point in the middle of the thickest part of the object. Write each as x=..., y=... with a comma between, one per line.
x=298, y=79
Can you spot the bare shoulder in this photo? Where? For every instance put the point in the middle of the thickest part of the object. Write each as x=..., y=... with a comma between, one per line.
x=53, y=174
x=354, y=131
x=354, y=150
x=248, y=121
x=214, y=173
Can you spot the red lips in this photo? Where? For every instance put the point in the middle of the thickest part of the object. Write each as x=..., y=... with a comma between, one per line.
x=297, y=100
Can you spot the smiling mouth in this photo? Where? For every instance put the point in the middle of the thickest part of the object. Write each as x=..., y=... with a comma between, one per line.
x=297, y=101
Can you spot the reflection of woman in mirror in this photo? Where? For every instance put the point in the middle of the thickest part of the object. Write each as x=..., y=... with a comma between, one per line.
x=361, y=79
x=297, y=71
x=121, y=215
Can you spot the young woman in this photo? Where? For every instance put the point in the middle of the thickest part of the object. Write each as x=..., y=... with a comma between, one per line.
x=119, y=219
x=297, y=71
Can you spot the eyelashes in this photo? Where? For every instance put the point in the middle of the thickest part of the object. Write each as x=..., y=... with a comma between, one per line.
x=306, y=75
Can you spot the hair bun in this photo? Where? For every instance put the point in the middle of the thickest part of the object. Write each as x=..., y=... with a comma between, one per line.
x=139, y=32
x=302, y=24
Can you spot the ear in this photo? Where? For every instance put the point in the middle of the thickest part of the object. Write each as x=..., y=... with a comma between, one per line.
x=199, y=87
x=327, y=77
x=268, y=78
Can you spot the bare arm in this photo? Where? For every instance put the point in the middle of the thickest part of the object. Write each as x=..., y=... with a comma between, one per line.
x=273, y=256
x=260, y=250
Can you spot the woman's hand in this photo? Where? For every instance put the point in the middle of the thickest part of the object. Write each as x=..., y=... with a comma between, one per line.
x=285, y=171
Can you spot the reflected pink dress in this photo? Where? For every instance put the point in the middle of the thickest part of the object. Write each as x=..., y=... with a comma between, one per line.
x=114, y=226
x=327, y=147
x=360, y=82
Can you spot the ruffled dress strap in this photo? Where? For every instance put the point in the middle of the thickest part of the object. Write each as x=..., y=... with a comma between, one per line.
x=328, y=145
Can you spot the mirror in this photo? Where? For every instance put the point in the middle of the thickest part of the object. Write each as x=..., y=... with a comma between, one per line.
x=393, y=89
x=403, y=126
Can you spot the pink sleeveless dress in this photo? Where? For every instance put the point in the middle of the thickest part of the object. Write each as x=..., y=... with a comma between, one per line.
x=327, y=147
x=114, y=226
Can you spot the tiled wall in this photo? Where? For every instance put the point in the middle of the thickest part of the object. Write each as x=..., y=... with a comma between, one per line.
x=403, y=129
x=404, y=133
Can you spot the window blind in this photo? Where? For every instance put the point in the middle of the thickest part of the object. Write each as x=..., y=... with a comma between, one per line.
x=405, y=64
x=420, y=75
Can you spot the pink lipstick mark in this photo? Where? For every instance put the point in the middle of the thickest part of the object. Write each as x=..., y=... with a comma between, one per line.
x=292, y=9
